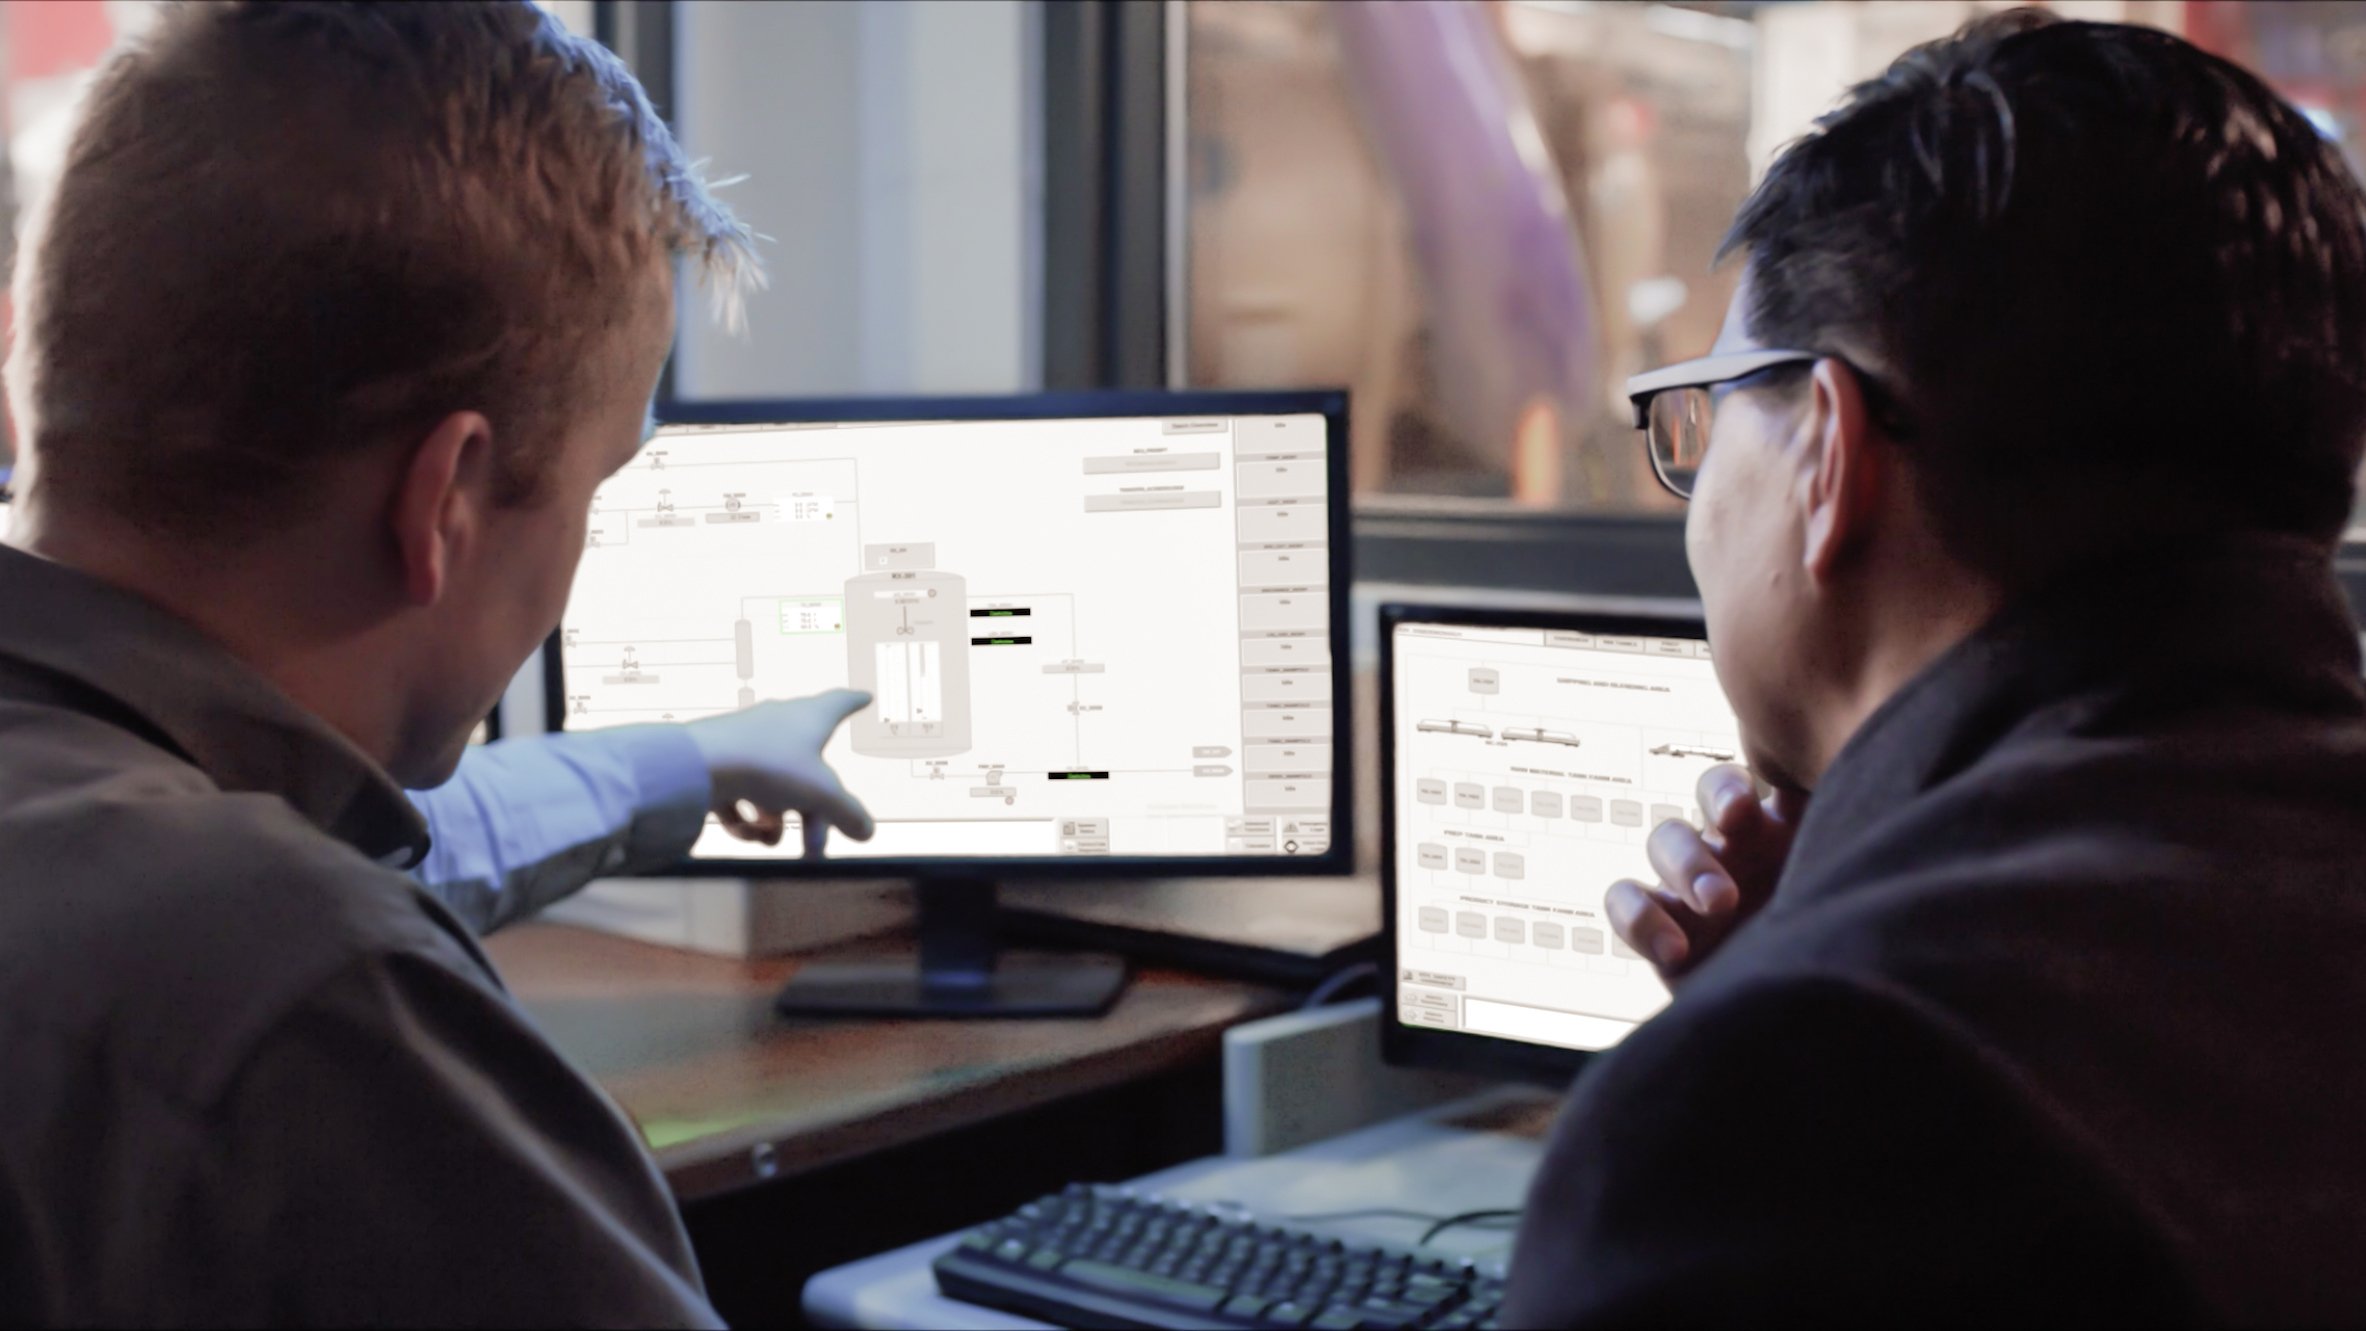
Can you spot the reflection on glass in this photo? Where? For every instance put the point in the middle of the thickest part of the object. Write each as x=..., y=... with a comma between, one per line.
x=1679, y=435
x=1335, y=164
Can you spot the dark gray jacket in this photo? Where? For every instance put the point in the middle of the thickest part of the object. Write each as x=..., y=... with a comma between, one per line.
x=2059, y=1010
x=249, y=1071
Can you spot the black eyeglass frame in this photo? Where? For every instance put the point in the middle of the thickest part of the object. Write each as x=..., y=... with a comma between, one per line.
x=1702, y=372
x=1714, y=371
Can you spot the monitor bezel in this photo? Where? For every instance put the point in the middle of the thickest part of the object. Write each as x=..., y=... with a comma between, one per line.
x=1329, y=403
x=1459, y=1051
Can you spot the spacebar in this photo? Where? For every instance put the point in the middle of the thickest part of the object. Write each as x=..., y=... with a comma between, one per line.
x=1143, y=1285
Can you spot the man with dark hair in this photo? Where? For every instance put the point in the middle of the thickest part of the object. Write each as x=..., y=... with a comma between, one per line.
x=2029, y=992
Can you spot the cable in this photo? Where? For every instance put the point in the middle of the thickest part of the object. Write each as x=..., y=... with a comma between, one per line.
x=1491, y=1219
x=1340, y=981
x=1438, y=1224
x=1374, y=1213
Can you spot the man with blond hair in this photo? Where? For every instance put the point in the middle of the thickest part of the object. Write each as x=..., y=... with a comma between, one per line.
x=334, y=322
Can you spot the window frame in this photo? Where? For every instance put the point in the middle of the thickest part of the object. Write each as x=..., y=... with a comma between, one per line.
x=1116, y=286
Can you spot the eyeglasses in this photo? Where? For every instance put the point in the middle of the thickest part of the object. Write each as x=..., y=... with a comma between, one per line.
x=1674, y=407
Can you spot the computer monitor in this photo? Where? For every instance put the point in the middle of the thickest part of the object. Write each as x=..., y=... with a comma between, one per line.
x=1525, y=757
x=1101, y=631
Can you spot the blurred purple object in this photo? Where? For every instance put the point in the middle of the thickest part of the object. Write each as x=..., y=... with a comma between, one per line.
x=1511, y=312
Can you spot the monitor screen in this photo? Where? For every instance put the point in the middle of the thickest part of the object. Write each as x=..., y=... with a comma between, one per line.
x=1089, y=637
x=1528, y=764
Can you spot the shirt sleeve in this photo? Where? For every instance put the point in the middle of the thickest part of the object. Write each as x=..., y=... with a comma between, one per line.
x=1806, y=1152
x=413, y=1154
x=525, y=822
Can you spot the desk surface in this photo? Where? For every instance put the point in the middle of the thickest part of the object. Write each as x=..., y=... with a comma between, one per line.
x=728, y=1093
x=1469, y=1155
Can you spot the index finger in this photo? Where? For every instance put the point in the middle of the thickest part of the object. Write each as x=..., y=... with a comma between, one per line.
x=1724, y=791
x=842, y=703
x=828, y=800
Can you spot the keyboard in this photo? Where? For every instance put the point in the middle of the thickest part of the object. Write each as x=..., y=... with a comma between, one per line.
x=1111, y=1257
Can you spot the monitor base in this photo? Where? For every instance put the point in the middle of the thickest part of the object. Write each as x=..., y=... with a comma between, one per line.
x=961, y=971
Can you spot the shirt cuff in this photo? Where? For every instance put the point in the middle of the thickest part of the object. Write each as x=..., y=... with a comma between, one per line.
x=672, y=792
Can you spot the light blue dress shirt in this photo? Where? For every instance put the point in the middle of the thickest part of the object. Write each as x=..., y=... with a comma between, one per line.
x=524, y=822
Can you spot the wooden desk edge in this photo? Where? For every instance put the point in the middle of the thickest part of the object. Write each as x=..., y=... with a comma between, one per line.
x=731, y=1160
x=552, y=962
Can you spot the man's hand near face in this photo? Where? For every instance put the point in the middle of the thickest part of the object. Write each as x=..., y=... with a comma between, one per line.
x=766, y=762
x=1709, y=880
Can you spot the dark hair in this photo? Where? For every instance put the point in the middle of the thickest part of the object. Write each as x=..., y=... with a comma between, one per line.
x=2118, y=286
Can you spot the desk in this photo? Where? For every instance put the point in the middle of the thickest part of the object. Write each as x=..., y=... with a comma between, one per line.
x=1475, y=1154
x=729, y=1094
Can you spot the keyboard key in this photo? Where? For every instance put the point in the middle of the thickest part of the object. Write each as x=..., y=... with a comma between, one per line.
x=1188, y=1263
x=1142, y=1285
x=1432, y=1280
x=1273, y=1291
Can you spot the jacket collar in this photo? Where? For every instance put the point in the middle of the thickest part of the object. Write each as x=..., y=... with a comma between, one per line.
x=2259, y=621
x=211, y=707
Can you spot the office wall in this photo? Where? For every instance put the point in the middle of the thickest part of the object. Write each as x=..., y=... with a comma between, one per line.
x=892, y=158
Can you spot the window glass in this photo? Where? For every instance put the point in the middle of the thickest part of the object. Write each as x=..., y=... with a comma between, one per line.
x=1484, y=269
x=890, y=156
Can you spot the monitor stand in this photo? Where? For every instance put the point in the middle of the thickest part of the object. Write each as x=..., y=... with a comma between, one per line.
x=962, y=970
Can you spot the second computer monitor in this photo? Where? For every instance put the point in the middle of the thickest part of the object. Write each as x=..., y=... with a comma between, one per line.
x=1100, y=630
x=1526, y=758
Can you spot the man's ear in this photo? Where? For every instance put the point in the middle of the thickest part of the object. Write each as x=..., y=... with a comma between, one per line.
x=440, y=502
x=1840, y=476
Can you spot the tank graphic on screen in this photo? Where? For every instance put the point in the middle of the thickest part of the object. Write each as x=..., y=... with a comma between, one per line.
x=907, y=645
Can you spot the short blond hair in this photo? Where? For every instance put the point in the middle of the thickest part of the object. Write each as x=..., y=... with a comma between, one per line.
x=289, y=230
